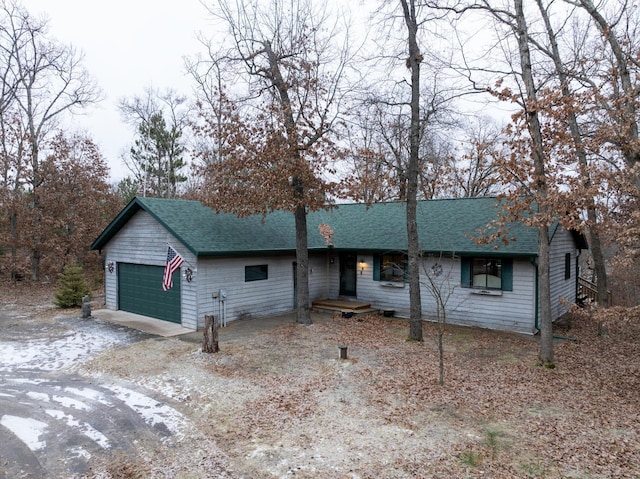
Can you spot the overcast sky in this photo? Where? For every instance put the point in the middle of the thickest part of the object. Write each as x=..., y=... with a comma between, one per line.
x=128, y=46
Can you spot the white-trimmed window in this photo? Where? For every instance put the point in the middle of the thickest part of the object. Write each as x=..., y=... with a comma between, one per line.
x=487, y=273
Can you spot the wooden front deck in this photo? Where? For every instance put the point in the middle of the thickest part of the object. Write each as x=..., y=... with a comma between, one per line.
x=344, y=306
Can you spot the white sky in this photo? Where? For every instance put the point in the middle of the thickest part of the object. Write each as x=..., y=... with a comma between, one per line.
x=128, y=45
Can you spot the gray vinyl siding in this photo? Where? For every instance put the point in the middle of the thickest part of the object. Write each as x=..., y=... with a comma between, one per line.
x=333, y=281
x=319, y=272
x=144, y=241
x=563, y=291
x=511, y=311
x=252, y=299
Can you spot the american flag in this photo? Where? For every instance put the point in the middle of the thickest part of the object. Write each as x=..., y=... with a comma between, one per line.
x=174, y=261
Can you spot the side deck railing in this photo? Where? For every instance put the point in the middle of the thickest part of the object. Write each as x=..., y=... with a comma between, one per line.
x=588, y=291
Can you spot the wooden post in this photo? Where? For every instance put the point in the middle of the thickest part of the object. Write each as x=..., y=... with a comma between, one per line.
x=86, y=307
x=210, y=339
x=342, y=352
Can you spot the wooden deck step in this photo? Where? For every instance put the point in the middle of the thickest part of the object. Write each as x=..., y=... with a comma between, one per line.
x=344, y=306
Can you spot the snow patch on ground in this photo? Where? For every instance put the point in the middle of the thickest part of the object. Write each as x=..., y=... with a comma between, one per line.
x=60, y=353
x=154, y=413
x=72, y=403
x=86, y=429
x=88, y=393
x=28, y=430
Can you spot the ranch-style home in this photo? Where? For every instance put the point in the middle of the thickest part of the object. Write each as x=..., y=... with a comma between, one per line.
x=241, y=268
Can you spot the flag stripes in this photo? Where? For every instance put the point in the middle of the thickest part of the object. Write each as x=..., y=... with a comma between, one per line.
x=173, y=263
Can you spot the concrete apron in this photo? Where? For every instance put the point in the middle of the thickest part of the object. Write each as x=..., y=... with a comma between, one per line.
x=233, y=330
x=146, y=324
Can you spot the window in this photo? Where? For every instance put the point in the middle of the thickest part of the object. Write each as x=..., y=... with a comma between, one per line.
x=393, y=267
x=390, y=268
x=487, y=273
x=256, y=273
x=567, y=266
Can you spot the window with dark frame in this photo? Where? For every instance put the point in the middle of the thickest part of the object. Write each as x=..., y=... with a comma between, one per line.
x=393, y=267
x=567, y=266
x=256, y=272
x=486, y=273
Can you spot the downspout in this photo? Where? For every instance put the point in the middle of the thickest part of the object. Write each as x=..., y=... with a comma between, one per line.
x=577, y=273
x=103, y=258
x=536, y=319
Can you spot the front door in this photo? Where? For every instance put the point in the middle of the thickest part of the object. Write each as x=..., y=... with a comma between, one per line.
x=348, y=266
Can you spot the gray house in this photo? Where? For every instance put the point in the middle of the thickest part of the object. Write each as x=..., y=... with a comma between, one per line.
x=245, y=267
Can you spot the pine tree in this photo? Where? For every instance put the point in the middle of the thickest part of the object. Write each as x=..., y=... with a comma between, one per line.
x=71, y=287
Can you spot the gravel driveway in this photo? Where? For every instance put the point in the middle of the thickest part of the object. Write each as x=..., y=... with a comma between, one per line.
x=53, y=420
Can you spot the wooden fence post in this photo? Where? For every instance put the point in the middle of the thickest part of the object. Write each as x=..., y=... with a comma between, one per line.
x=210, y=339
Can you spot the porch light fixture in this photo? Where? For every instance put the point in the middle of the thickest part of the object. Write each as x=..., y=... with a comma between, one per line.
x=362, y=265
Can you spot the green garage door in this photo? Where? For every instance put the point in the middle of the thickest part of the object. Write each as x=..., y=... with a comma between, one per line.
x=140, y=292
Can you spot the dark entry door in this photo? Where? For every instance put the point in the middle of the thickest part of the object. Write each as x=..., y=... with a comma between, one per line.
x=348, y=266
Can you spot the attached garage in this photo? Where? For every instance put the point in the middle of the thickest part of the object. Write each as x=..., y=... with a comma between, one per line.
x=140, y=291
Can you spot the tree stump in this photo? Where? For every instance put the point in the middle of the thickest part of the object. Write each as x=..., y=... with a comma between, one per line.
x=210, y=339
x=86, y=307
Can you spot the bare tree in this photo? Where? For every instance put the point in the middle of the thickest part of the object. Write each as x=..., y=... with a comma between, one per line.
x=623, y=106
x=440, y=283
x=410, y=15
x=526, y=165
x=281, y=143
x=215, y=112
x=47, y=81
x=380, y=148
x=473, y=171
x=539, y=186
x=570, y=117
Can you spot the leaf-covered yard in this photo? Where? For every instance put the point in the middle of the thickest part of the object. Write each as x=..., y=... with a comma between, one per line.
x=281, y=403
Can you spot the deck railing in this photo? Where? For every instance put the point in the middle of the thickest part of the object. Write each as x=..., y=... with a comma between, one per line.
x=588, y=291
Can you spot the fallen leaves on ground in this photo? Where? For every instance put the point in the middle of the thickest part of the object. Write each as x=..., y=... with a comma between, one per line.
x=381, y=412
x=282, y=404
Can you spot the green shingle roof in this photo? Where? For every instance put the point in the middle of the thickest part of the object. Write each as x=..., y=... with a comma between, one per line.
x=444, y=226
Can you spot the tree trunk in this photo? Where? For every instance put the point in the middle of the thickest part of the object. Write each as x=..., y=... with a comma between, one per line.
x=296, y=164
x=413, y=242
x=441, y=354
x=13, y=226
x=540, y=188
x=210, y=339
x=36, y=254
x=302, y=268
x=599, y=263
x=546, y=355
x=593, y=235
